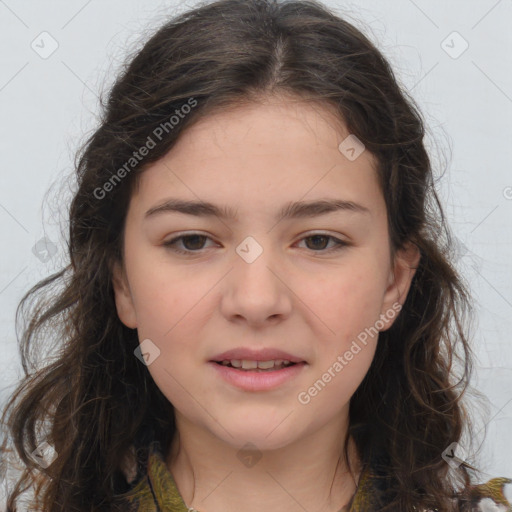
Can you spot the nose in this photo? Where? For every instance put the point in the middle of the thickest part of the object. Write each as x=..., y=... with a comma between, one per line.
x=256, y=292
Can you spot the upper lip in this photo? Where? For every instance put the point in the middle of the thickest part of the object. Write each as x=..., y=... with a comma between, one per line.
x=249, y=354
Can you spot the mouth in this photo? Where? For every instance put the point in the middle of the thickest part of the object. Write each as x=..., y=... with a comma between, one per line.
x=257, y=366
x=258, y=376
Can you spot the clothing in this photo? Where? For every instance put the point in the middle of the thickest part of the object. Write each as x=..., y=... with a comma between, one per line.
x=153, y=489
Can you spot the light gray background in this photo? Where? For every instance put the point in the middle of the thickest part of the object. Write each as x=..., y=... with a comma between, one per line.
x=48, y=106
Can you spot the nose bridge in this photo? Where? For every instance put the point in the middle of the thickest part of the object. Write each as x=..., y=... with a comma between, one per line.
x=254, y=288
x=253, y=264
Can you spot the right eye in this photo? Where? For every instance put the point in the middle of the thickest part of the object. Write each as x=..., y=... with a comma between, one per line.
x=194, y=241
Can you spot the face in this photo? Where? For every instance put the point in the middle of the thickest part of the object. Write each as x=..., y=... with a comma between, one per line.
x=310, y=285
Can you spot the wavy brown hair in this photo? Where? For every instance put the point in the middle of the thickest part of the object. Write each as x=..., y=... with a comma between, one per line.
x=95, y=396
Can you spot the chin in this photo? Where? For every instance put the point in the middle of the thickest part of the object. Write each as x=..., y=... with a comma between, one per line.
x=262, y=434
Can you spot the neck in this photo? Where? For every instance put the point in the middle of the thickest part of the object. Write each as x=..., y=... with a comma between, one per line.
x=308, y=474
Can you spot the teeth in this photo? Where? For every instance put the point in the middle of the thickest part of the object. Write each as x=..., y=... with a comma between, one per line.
x=264, y=365
x=249, y=365
x=246, y=364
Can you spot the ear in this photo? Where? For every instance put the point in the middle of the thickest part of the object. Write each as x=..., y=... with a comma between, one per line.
x=401, y=274
x=123, y=297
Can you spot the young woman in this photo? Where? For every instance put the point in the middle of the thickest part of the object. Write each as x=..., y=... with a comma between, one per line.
x=260, y=311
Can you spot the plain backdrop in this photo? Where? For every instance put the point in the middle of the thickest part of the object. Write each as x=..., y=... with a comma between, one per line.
x=454, y=57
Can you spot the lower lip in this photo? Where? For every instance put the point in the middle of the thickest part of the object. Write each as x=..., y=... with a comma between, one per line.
x=258, y=381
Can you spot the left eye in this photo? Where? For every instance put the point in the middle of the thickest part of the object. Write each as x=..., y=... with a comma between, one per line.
x=194, y=243
x=185, y=238
x=338, y=244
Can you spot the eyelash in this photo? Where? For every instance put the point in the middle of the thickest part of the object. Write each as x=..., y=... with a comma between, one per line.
x=340, y=244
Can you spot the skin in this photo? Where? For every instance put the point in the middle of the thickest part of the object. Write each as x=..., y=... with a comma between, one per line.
x=297, y=296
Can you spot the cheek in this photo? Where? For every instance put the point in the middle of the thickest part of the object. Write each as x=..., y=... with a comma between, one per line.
x=165, y=298
x=346, y=302
x=349, y=305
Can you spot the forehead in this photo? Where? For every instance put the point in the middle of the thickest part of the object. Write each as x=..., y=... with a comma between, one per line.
x=272, y=124
x=269, y=151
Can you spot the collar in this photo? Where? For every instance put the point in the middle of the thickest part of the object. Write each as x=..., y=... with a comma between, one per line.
x=153, y=489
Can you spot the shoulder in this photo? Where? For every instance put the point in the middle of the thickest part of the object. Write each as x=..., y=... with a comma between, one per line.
x=151, y=486
x=486, y=497
x=490, y=496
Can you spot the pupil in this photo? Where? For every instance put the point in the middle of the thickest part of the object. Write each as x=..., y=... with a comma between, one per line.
x=193, y=237
x=316, y=237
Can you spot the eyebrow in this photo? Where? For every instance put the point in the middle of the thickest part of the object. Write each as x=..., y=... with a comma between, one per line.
x=297, y=209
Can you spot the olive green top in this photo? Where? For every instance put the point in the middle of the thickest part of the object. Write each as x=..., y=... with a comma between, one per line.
x=153, y=489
